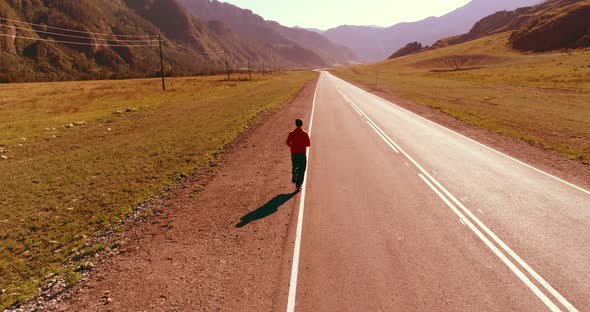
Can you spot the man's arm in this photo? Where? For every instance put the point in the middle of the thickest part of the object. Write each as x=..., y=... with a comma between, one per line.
x=289, y=138
x=307, y=140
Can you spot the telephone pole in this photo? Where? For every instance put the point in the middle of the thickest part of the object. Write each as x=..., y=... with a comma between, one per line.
x=272, y=57
x=376, y=76
x=249, y=70
x=162, y=63
x=226, y=66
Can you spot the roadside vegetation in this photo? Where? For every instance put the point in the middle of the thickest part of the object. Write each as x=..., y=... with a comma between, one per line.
x=541, y=98
x=78, y=156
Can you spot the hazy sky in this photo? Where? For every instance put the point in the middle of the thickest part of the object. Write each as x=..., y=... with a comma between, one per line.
x=325, y=14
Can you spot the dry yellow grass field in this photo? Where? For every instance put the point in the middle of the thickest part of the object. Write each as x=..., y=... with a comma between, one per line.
x=541, y=98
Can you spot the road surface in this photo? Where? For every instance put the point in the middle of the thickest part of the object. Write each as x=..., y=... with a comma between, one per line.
x=401, y=214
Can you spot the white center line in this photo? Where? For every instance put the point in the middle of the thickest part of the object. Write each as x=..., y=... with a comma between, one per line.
x=357, y=111
x=383, y=138
x=494, y=237
x=494, y=249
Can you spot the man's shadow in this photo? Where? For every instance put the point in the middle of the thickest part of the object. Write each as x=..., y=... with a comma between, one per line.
x=266, y=210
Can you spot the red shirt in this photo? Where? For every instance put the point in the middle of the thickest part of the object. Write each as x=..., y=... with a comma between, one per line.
x=298, y=141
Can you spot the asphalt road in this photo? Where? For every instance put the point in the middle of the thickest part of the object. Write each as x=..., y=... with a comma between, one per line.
x=401, y=214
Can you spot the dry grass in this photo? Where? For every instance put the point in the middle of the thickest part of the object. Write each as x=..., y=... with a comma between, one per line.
x=543, y=99
x=57, y=192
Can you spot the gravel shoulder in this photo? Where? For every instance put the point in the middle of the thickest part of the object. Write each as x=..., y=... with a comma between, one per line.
x=218, y=241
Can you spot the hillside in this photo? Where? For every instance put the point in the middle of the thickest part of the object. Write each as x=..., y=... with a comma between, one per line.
x=78, y=41
x=375, y=44
x=552, y=25
x=410, y=48
x=291, y=42
x=555, y=25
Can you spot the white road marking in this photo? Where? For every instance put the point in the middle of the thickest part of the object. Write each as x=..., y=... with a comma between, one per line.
x=384, y=139
x=494, y=249
x=345, y=96
x=381, y=132
x=503, y=245
x=357, y=111
x=470, y=139
x=508, y=250
x=357, y=108
x=347, y=99
x=297, y=248
x=480, y=211
x=462, y=222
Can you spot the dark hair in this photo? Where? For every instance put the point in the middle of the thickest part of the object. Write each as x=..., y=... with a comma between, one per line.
x=299, y=122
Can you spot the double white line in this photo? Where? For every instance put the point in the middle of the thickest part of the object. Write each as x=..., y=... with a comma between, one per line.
x=500, y=249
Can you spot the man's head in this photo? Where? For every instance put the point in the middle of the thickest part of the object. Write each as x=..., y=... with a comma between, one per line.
x=299, y=123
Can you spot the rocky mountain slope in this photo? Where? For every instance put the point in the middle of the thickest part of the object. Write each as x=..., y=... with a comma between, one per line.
x=92, y=51
x=375, y=44
x=551, y=25
x=410, y=48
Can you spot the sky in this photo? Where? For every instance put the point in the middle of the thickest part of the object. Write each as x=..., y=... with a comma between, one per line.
x=324, y=14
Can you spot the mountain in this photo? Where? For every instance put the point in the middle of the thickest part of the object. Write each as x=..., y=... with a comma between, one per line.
x=369, y=43
x=551, y=25
x=47, y=40
x=93, y=51
x=317, y=30
x=254, y=27
x=375, y=44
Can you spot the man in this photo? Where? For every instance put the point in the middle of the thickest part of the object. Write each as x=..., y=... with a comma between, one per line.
x=298, y=141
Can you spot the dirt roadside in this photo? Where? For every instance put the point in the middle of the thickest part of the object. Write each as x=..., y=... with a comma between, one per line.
x=215, y=245
x=545, y=159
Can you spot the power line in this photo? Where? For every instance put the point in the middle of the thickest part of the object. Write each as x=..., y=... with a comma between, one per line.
x=139, y=41
x=74, y=36
x=149, y=41
x=193, y=51
x=78, y=31
x=81, y=43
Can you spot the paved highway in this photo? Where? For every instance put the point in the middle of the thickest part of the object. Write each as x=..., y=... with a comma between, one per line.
x=401, y=214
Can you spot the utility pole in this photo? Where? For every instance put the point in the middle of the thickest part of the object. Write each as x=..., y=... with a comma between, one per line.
x=226, y=66
x=272, y=56
x=249, y=70
x=376, y=76
x=162, y=63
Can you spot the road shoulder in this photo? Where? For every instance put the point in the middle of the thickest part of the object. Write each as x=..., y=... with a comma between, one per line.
x=215, y=246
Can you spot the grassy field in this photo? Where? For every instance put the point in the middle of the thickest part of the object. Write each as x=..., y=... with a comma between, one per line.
x=543, y=99
x=59, y=186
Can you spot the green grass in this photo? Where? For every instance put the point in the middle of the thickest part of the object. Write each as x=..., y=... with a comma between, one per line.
x=543, y=98
x=57, y=192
